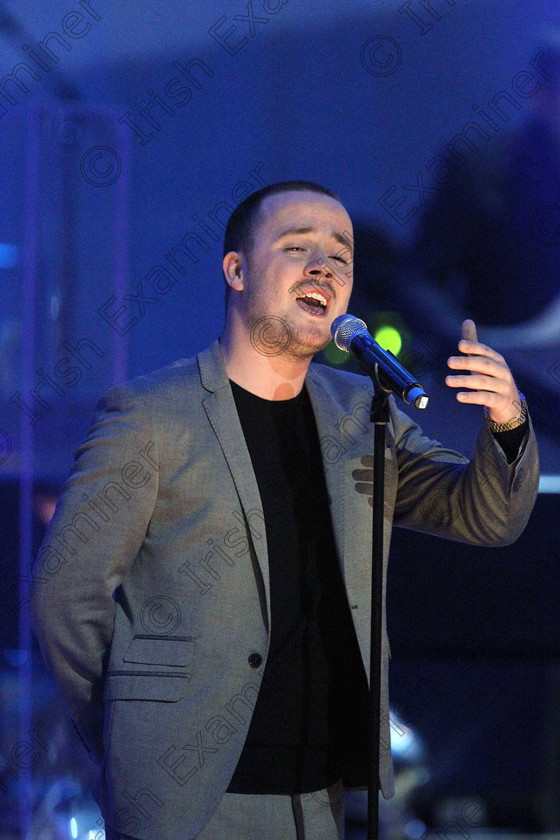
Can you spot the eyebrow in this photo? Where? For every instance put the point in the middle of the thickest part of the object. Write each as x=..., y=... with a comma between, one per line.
x=295, y=230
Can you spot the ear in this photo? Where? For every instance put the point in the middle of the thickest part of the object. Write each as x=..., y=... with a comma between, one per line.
x=233, y=266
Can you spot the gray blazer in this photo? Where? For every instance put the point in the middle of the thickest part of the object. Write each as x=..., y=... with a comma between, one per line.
x=151, y=597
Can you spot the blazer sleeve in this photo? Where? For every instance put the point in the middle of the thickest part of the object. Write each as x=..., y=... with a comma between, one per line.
x=482, y=500
x=92, y=540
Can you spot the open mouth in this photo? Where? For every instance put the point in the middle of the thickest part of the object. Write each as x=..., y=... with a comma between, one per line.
x=314, y=303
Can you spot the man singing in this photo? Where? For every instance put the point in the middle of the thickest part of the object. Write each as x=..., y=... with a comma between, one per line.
x=203, y=590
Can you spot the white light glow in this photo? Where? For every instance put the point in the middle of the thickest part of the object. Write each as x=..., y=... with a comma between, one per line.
x=549, y=484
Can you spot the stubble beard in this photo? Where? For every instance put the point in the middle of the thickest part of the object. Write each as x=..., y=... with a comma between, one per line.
x=274, y=335
x=300, y=349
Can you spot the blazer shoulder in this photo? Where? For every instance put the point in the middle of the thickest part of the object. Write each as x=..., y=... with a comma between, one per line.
x=158, y=391
x=167, y=378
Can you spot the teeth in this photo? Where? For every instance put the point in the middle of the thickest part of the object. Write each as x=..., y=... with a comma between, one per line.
x=321, y=298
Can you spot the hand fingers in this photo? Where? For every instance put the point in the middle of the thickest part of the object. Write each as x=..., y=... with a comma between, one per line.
x=469, y=342
x=366, y=474
x=487, y=398
x=478, y=351
x=479, y=382
x=363, y=475
x=364, y=478
x=468, y=330
x=480, y=365
x=364, y=489
x=485, y=373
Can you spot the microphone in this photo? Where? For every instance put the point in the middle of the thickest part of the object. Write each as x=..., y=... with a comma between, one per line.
x=351, y=334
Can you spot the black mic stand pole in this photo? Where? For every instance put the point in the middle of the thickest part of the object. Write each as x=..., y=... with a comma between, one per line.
x=379, y=416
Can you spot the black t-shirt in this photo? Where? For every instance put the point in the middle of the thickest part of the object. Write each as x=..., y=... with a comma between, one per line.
x=310, y=719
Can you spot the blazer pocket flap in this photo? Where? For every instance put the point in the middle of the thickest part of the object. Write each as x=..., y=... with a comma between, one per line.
x=155, y=650
x=141, y=687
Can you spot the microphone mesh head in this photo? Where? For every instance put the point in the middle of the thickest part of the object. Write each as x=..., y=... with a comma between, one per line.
x=343, y=328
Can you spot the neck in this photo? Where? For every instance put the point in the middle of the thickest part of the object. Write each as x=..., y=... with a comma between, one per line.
x=272, y=377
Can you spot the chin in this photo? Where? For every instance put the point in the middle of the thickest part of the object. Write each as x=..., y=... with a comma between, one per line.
x=309, y=348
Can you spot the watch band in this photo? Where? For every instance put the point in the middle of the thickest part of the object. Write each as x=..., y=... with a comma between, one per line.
x=511, y=424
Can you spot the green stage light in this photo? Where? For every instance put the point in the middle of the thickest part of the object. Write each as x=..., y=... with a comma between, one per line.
x=389, y=338
x=334, y=356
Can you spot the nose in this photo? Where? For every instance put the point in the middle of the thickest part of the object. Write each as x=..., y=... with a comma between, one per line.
x=318, y=267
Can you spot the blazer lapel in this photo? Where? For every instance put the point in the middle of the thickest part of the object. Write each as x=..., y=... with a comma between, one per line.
x=222, y=415
x=343, y=445
x=332, y=454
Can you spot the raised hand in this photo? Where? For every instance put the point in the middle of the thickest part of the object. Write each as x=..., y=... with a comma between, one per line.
x=489, y=379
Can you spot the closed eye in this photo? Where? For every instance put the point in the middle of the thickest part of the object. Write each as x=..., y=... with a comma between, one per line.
x=337, y=257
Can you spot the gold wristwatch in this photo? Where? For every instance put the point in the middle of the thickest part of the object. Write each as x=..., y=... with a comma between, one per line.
x=511, y=424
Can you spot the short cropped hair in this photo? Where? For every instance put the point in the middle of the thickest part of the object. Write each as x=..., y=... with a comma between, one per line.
x=239, y=235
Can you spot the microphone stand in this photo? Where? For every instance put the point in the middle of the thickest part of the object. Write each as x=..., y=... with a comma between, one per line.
x=379, y=416
x=387, y=375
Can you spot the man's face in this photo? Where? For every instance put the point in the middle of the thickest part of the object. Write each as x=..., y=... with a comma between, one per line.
x=298, y=275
